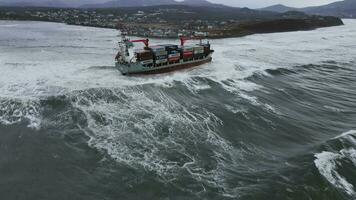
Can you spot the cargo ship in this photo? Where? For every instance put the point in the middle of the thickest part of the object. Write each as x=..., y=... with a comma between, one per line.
x=161, y=58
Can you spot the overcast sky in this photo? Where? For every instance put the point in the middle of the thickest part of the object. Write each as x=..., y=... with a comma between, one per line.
x=237, y=3
x=264, y=3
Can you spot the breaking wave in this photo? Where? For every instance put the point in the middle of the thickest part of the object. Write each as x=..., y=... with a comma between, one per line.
x=13, y=111
x=329, y=163
x=147, y=129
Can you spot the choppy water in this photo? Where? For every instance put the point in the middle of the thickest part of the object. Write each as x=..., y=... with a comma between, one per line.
x=272, y=117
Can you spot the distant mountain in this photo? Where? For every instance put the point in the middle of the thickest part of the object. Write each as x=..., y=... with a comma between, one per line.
x=346, y=8
x=130, y=3
x=47, y=3
x=278, y=8
x=108, y=4
x=145, y=3
x=58, y=4
x=197, y=3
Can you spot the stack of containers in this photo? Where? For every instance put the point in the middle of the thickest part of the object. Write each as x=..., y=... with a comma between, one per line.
x=173, y=53
x=160, y=54
x=198, y=51
x=187, y=52
x=144, y=56
x=174, y=56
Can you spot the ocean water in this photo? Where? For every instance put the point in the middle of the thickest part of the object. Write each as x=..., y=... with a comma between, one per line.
x=272, y=117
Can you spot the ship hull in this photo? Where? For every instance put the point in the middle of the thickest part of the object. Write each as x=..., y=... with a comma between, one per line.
x=137, y=68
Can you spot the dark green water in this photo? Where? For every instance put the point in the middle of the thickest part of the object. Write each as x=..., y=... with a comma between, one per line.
x=273, y=117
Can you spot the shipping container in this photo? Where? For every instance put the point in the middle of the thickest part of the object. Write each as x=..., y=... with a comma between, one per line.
x=188, y=53
x=146, y=62
x=176, y=54
x=161, y=57
x=161, y=61
x=198, y=48
x=157, y=48
x=174, y=59
x=142, y=51
x=144, y=55
x=200, y=51
x=160, y=53
x=144, y=58
x=187, y=48
x=201, y=55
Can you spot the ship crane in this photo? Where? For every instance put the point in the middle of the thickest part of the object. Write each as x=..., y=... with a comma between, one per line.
x=146, y=41
x=183, y=40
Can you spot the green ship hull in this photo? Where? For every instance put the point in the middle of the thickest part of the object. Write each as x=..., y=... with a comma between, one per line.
x=138, y=68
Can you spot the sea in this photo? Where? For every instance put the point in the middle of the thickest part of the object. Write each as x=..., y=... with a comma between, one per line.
x=273, y=117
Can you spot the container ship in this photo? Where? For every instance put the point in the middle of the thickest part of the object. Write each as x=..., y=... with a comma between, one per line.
x=161, y=58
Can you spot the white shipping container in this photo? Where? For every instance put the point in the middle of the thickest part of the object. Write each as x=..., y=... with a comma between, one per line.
x=158, y=48
x=188, y=48
x=161, y=53
x=145, y=62
x=174, y=55
x=199, y=51
x=198, y=48
x=161, y=61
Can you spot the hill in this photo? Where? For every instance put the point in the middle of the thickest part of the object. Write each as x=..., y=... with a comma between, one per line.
x=278, y=8
x=99, y=4
x=147, y=3
x=56, y=4
x=343, y=9
x=170, y=21
x=346, y=8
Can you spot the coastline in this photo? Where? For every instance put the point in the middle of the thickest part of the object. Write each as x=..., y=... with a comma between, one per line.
x=171, y=21
x=260, y=27
x=244, y=29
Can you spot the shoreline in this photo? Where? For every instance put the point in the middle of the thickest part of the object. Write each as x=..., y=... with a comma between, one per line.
x=237, y=34
x=168, y=22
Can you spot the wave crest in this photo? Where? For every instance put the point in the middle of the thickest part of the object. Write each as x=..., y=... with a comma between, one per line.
x=13, y=111
x=328, y=163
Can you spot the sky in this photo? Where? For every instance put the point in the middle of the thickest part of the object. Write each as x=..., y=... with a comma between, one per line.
x=237, y=3
x=264, y=3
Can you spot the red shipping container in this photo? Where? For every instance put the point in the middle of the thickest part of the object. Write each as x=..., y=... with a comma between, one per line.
x=187, y=54
x=173, y=59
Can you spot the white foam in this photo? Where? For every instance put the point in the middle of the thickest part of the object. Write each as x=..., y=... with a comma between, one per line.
x=49, y=61
x=326, y=162
x=350, y=153
x=345, y=134
x=143, y=128
x=132, y=134
x=233, y=59
x=14, y=111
